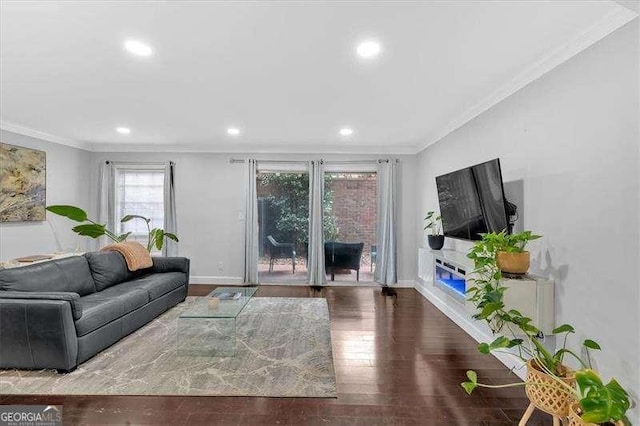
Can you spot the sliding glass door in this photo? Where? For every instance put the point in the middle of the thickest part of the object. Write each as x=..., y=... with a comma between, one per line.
x=350, y=225
x=283, y=226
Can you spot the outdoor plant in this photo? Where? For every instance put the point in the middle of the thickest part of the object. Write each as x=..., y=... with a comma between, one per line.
x=434, y=223
x=598, y=402
x=92, y=229
x=287, y=201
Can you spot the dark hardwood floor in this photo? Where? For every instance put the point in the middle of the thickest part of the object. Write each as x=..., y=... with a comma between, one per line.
x=398, y=361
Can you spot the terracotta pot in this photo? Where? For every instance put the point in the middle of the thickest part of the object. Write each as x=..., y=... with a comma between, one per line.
x=513, y=263
x=546, y=393
x=575, y=420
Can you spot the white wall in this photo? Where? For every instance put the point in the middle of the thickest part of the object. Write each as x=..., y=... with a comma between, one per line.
x=572, y=137
x=210, y=194
x=68, y=174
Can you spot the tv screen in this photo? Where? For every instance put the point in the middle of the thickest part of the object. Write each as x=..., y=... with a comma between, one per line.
x=472, y=201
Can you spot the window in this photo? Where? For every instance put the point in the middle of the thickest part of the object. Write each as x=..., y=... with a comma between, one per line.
x=139, y=191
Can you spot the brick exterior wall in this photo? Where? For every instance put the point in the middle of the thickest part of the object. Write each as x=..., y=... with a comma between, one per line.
x=355, y=208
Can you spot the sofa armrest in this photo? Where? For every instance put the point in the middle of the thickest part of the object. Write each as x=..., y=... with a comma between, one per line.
x=72, y=298
x=37, y=333
x=171, y=264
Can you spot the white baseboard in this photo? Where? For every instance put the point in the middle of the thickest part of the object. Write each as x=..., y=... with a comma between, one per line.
x=215, y=280
x=232, y=281
x=470, y=327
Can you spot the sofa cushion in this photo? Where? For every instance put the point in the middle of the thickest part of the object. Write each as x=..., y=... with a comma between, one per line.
x=70, y=274
x=109, y=268
x=101, y=308
x=158, y=284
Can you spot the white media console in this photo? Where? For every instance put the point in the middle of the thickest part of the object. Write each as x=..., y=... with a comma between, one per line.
x=529, y=294
x=443, y=278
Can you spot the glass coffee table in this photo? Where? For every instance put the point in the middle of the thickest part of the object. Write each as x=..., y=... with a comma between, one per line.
x=208, y=328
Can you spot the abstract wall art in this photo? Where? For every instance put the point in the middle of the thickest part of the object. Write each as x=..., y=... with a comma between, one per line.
x=23, y=183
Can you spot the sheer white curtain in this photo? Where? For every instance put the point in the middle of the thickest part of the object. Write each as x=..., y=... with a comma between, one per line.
x=170, y=220
x=250, y=224
x=106, y=201
x=386, y=265
x=316, y=236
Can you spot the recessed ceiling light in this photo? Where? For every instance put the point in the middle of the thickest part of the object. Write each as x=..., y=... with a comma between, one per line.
x=123, y=130
x=138, y=48
x=369, y=49
x=346, y=131
x=234, y=131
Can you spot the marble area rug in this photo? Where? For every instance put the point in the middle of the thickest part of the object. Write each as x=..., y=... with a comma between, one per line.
x=283, y=350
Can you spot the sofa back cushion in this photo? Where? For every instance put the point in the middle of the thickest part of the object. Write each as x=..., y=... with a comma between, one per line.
x=70, y=274
x=109, y=268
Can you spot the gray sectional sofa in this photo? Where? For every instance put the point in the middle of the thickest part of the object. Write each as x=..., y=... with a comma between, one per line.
x=60, y=313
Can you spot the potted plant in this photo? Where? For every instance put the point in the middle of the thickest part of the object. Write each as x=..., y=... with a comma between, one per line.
x=509, y=249
x=434, y=223
x=156, y=235
x=582, y=397
x=550, y=385
x=598, y=403
x=92, y=229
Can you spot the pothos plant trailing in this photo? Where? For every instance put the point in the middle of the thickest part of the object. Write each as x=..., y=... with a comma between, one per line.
x=509, y=249
x=92, y=229
x=598, y=402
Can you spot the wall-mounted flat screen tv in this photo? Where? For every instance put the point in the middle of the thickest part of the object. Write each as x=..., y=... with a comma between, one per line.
x=472, y=201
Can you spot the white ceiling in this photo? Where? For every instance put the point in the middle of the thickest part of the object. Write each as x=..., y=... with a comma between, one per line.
x=285, y=73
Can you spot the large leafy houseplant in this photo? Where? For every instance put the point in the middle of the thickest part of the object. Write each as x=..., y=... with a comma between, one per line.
x=92, y=229
x=156, y=235
x=598, y=402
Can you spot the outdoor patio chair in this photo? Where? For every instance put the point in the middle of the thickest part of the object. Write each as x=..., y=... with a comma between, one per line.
x=281, y=251
x=342, y=256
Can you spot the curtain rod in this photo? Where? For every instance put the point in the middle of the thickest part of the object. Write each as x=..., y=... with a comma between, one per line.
x=140, y=163
x=240, y=160
x=380, y=160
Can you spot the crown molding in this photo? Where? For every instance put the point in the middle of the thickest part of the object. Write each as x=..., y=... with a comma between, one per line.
x=209, y=147
x=610, y=22
x=26, y=131
x=633, y=5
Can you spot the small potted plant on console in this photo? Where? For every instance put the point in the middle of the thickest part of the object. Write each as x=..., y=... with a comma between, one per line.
x=510, y=254
x=434, y=223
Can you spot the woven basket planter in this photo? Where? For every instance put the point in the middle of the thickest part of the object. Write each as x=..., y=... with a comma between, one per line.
x=546, y=394
x=575, y=420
